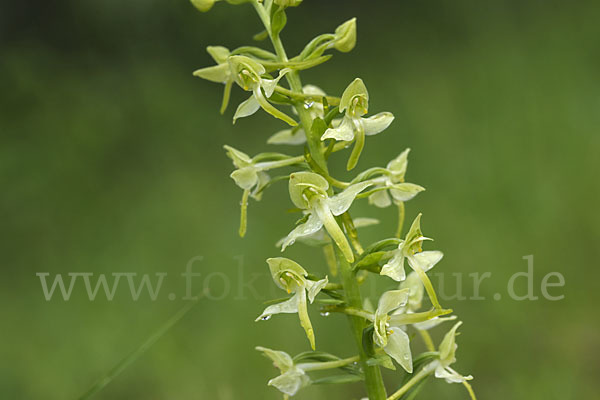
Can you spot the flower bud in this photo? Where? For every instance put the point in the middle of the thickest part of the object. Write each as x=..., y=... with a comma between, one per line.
x=345, y=36
x=203, y=5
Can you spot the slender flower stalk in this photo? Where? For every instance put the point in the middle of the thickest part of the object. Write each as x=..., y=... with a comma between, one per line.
x=325, y=124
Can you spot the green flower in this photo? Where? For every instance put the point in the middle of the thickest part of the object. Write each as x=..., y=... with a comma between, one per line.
x=410, y=249
x=308, y=191
x=220, y=73
x=447, y=351
x=290, y=276
x=248, y=175
x=355, y=104
x=292, y=378
x=251, y=176
x=392, y=339
x=393, y=182
x=247, y=73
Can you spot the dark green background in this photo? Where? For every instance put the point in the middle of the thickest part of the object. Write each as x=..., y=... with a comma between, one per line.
x=111, y=161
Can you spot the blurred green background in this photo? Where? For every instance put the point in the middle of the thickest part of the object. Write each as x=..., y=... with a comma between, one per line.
x=111, y=161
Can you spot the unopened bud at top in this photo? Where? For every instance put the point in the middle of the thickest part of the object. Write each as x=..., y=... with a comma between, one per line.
x=203, y=5
x=345, y=36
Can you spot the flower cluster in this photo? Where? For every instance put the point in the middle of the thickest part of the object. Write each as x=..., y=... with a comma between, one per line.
x=324, y=124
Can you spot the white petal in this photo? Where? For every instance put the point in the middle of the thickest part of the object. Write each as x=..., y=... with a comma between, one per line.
x=313, y=90
x=245, y=177
x=414, y=284
x=281, y=359
x=312, y=225
x=377, y=123
x=450, y=375
x=290, y=382
x=246, y=108
x=268, y=85
x=426, y=325
x=288, y=136
x=405, y=191
x=394, y=268
x=398, y=165
x=313, y=288
x=425, y=260
x=398, y=347
x=391, y=300
x=380, y=199
x=286, y=307
x=341, y=202
x=239, y=158
x=344, y=132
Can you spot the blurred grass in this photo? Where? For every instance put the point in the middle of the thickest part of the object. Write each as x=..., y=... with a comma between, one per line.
x=111, y=161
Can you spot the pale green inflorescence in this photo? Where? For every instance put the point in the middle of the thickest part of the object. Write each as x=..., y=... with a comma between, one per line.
x=324, y=125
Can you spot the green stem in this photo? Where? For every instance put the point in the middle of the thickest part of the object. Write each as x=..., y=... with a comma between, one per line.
x=412, y=382
x=427, y=339
x=373, y=379
x=356, y=312
x=328, y=364
x=267, y=165
x=244, y=213
x=470, y=390
x=314, y=143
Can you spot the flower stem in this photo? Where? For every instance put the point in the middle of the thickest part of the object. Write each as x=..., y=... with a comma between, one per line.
x=350, y=311
x=412, y=382
x=314, y=143
x=427, y=339
x=373, y=379
x=328, y=364
x=244, y=213
x=470, y=390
